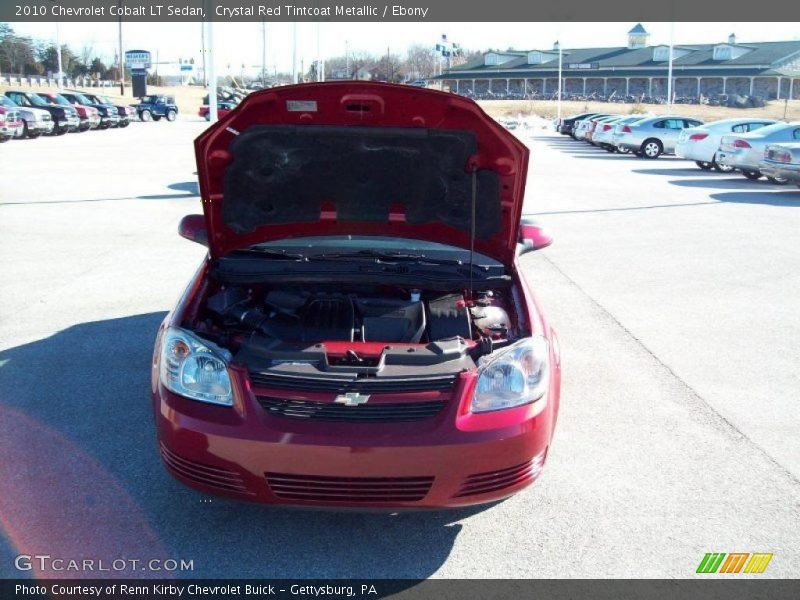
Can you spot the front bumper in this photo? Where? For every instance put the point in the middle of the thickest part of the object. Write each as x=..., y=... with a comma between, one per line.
x=450, y=460
x=780, y=170
x=112, y=120
x=70, y=124
x=90, y=122
x=41, y=126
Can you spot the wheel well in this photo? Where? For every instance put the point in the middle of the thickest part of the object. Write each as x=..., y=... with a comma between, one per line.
x=656, y=140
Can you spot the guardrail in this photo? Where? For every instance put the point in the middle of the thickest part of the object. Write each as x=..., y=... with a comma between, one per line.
x=44, y=81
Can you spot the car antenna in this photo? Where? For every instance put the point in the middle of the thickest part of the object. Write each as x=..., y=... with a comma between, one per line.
x=472, y=226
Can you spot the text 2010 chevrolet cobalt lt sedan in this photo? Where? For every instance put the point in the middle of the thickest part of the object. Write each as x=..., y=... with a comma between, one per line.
x=360, y=333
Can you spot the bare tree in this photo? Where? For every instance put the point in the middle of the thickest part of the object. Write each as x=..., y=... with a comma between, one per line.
x=421, y=61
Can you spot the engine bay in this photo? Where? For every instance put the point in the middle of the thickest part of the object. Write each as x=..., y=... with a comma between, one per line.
x=360, y=327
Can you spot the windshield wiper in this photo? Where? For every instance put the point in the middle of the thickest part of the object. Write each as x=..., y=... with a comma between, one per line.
x=271, y=253
x=386, y=257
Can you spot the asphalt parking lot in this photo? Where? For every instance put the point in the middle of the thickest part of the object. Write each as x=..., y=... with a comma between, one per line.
x=673, y=290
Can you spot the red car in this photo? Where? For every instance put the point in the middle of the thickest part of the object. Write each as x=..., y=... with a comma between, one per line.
x=89, y=117
x=360, y=333
x=223, y=108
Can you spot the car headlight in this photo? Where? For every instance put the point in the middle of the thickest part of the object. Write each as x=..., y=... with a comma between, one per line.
x=195, y=368
x=513, y=376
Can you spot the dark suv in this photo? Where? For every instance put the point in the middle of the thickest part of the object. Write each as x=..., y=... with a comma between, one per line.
x=124, y=111
x=65, y=117
x=108, y=114
x=156, y=106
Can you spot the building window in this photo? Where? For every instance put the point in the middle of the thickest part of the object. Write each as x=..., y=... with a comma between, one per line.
x=722, y=52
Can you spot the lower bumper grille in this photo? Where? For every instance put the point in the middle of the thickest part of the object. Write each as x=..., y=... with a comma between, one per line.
x=222, y=479
x=348, y=489
x=365, y=413
x=494, y=481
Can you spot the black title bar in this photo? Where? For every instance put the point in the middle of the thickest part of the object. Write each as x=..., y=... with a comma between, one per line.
x=399, y=11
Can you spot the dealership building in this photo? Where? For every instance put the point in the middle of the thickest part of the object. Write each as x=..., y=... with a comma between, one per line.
x=767, y=69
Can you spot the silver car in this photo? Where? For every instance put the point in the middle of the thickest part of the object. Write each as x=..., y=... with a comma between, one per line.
x=782, y=162
x=582, y=127
x=604, y=133
x=746, y=151
x=654, y=136
x=35, y=121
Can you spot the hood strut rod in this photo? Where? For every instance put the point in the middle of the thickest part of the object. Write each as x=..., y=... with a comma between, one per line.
x=474, y=201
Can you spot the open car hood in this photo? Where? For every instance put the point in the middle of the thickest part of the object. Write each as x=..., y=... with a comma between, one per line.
x=363, y=159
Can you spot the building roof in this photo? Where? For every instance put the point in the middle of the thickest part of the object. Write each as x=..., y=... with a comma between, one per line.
x=761, y=56
x=638, y=29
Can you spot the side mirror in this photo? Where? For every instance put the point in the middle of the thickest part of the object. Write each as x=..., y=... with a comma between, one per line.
x=532, y=236
x=193, y=227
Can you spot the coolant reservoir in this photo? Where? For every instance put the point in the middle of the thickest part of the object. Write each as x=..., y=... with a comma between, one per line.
x=491, y=321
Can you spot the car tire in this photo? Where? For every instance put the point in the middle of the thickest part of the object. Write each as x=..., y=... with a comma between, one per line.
x=171, y=115
x=706, y=166
x=721, y=168
x=777, y=180
x=62, y=131
x=622, y=150
x=651, y=149
x=125, y=124
x=4, y=139
x=752, y=174
x=146, y=116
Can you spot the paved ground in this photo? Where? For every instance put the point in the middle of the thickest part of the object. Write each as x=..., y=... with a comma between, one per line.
x=673, y=290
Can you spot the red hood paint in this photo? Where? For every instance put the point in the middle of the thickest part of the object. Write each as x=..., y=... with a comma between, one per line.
x=377, y=105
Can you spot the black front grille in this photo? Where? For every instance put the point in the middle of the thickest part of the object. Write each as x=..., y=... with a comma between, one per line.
x=370, y=385
x=331, y=411
x=349, y=489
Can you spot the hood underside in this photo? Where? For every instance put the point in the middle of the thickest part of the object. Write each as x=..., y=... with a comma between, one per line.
x=363, y=159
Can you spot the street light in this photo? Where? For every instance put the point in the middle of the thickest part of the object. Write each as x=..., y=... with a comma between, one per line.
x=557, y=46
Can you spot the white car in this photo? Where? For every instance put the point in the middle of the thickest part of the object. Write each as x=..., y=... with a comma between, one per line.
x=700, y=144
x=603, y=135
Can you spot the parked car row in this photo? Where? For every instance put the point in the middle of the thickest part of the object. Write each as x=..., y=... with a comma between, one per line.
x=28, y=114
x=755, y=146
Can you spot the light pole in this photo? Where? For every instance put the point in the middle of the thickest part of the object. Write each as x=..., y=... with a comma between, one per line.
x=212, y=74
x=560, y=65
x=263, y=52
x=347, y=59
x=669, y=67
x=294, y=52
x=121, y=63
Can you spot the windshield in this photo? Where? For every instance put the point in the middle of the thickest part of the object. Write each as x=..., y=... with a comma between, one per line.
x=37, y=100
x=6, y=102
x=312, y=246
x=81, y=99
x=104, y=100
x=59, y=99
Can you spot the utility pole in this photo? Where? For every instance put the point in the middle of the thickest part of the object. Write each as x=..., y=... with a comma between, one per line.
x=121, y=60
x=347, y=59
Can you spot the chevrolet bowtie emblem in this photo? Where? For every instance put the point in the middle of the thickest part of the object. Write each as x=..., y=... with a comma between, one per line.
x=351, y=399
